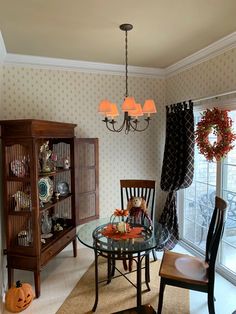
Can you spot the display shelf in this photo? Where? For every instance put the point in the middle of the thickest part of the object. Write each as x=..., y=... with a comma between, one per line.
x=14, y=178
x=56, y=236
x=53, y=202
x=30, y=149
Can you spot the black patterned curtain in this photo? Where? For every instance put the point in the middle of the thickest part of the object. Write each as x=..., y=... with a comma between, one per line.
x=178, y=162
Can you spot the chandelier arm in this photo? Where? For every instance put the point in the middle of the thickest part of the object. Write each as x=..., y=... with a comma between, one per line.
x=113, y=129
x=135, y=128
x=107, y=125
x=133, y=124
x=119, y=129
x=124, y=124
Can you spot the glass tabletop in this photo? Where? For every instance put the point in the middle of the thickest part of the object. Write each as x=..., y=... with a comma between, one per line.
x=94, y=235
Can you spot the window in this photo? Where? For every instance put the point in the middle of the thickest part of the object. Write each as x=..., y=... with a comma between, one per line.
x=197, y=203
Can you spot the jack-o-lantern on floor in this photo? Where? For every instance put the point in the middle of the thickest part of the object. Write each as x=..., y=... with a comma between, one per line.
x=19, y=297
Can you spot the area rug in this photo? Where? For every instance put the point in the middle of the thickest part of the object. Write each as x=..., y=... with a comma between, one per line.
x=120, y=294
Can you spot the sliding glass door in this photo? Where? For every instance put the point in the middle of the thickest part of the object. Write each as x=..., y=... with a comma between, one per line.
x=196, y=204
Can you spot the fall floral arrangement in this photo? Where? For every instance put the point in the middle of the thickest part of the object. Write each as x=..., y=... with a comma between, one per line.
x=120, y=212
x=121, y=226
x=218, y=122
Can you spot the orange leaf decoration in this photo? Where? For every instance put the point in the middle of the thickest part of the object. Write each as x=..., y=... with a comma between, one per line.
x=119, y=212
x=218, y=122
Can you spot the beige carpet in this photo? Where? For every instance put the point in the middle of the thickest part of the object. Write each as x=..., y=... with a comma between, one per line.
x=120, y=294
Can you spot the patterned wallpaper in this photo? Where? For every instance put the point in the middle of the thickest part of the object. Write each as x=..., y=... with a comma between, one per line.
x=72, y=96
x=2, y=269
x=207, y=78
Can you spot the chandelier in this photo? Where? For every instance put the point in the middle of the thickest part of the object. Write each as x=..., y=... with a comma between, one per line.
x=132, y=110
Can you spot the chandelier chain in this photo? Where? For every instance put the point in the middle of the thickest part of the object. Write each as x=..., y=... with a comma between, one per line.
x=126, y=64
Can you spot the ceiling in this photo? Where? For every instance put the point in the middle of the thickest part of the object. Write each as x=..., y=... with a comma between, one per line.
x=165, y=31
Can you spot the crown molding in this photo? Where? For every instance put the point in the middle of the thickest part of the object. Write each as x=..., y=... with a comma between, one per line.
x=3, y=51
x=82, y=66
x=209, y=52
x=202, y=55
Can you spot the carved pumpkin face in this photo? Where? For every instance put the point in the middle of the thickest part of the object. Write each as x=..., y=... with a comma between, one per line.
x=19, y=297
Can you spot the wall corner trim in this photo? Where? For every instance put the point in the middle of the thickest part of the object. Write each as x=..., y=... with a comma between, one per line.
x=3, y=52
x=82, y=66
x=209, y=52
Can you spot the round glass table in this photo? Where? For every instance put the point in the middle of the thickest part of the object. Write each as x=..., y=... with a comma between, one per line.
x=134, y=244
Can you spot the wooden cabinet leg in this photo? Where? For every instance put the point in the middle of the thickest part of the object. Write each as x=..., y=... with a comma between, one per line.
x=10, y=273
x=75, y=247
x=37, y=283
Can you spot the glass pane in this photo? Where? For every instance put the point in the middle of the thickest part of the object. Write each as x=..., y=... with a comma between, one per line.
x=199, y=201
x=189, y=209
x=228, y=247
x=189, y=228
x=228, y=254
x=229, y=177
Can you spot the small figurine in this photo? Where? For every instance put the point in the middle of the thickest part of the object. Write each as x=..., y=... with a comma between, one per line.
x=46, y=225
x=58, y=227
x=66, y=163
x=121, y=227
x=54, y=160
x=45, y=153
x=57, y=195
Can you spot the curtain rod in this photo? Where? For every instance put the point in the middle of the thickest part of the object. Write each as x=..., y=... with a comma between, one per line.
x=214, y=96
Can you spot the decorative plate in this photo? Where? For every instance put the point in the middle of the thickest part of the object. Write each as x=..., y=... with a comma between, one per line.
x=63, y=188
x=45, y=186
x=18, y=168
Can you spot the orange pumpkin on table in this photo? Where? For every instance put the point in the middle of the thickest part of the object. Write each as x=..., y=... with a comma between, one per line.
x=19, y=297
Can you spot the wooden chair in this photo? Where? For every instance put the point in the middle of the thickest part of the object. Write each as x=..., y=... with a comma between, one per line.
x=206, y=204
x=190, y=272
x=139, y=188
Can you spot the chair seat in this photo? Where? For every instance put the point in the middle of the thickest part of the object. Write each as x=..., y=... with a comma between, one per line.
x=185, y=268
x=190, y=272
x=145, y=309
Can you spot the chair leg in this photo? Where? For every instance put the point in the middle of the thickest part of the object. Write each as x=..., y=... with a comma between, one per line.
x=210, y=301
x=147, y=271
x=113, y=266
x=161, y=294
x=109, y=269
x=154, y=254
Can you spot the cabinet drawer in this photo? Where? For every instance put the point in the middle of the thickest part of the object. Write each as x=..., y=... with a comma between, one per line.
x=57, y=246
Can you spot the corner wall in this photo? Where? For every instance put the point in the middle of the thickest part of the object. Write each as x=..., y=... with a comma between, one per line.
x=1, y=212
x=73, y=96
x=2, y=231
x=210, y=77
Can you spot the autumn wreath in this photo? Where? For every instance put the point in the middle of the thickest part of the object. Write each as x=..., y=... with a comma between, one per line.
x=218, y=122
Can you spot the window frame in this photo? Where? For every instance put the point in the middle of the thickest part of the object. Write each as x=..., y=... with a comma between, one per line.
x=226, y=104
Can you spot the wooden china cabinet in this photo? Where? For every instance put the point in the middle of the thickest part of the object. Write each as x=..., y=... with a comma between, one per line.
x=40, y=178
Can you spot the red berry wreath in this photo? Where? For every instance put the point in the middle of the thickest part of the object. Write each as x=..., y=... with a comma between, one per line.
x=220, y=124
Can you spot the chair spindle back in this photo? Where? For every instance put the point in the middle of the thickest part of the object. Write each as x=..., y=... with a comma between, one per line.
x=138, y=188
x=215, y=233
